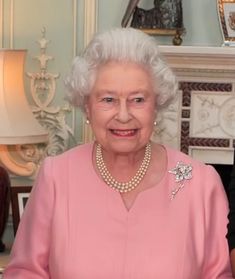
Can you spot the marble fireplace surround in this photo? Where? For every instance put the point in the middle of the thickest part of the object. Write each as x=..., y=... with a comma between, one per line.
x=201, y=121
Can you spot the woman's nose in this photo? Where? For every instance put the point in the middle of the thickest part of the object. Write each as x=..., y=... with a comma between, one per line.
x=123, y=113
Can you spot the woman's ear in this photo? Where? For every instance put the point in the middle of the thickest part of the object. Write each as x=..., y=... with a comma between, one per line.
x=87, y=111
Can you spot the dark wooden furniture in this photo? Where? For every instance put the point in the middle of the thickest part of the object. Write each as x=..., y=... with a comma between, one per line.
x=4, y=203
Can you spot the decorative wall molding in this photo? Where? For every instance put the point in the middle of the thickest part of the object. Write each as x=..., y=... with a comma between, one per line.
x=90, y=19
x=201, y=122
x=43, y=90
x=1, y=23
x=75, y=19
x=12, y=23
x=90, y=27
x=75, y=22
x=211, y=122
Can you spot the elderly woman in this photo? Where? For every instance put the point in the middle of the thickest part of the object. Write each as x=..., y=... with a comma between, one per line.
x=122, y=206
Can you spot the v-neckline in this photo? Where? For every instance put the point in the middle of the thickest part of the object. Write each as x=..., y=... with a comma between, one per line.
x=140, y=196
x=111, y=193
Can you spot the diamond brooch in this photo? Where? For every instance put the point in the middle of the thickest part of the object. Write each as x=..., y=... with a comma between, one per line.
x=182, y=172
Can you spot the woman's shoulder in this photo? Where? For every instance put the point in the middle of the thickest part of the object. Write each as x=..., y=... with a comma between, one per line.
x=198, y=167
x=204, y=176
x=76, y=154
x=175, y=155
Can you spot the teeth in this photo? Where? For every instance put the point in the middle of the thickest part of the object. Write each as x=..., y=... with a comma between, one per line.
x=123, y=133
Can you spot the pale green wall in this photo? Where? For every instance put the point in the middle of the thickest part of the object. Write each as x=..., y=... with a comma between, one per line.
x=201, y=22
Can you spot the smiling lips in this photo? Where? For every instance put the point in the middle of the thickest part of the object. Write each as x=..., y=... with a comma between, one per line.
x=124, y=133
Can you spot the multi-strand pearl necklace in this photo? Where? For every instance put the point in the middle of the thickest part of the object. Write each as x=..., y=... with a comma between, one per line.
x=122, y=187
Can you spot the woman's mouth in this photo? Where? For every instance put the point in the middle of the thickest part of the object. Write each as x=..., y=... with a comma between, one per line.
x=124, y=133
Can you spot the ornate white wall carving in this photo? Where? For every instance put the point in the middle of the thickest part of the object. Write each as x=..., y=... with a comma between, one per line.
x=167, y=128
x=213, y=116
x=43, y=90
x=202, y=120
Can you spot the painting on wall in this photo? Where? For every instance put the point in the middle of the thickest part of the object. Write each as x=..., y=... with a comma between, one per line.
x=165, y=18
x=19, y=197
x=226, y=12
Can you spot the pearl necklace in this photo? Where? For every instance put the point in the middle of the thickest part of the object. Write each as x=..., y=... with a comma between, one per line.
x=123, y=187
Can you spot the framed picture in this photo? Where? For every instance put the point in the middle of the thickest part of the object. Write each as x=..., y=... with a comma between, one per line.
x=19, y=197
x=226, y=11
x=164, y=18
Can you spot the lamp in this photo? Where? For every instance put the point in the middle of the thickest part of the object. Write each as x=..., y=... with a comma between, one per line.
x=18, y=125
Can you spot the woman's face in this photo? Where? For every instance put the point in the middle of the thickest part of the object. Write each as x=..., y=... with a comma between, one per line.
x=121, y=107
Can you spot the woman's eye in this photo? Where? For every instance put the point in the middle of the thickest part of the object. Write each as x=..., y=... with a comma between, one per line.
x=108, y=99
x=139, y=100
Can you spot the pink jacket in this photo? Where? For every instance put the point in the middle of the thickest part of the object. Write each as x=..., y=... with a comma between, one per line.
x=75, y=226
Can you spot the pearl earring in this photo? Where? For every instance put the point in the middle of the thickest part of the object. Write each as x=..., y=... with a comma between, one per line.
x=155, y=123
x=87, y=122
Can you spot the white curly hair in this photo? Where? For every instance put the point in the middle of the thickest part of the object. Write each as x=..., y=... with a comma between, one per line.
x=124, y=45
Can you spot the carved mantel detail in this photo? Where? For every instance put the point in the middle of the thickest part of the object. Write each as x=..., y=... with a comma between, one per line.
x=201, y=122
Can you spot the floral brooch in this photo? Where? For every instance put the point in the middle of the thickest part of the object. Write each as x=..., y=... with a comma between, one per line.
x=182, y=172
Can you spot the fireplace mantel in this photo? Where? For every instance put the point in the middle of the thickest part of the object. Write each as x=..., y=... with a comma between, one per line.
x=200, y=59
x=201, y=121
